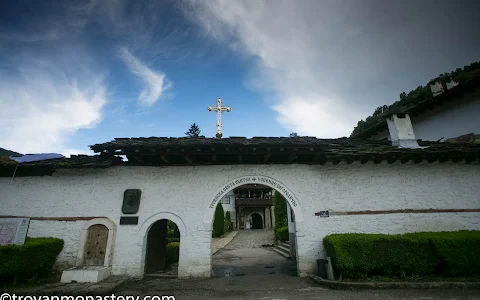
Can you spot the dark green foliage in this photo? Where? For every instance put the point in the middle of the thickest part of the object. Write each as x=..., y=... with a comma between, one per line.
x=293, y=134
x=218, y=222
x=33, y=259
x=421, y=93
x=281, y=234
x=228, y=222
x=173, y=252
x=173, y=239
x=5, y=152
x=281, y=219
x=193, y=131
x=172, y=230
x=424, y=253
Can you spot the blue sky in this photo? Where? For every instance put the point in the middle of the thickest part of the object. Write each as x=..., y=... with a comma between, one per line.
x=75, y=73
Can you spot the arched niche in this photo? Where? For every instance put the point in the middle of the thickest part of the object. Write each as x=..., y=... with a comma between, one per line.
x=93, y=235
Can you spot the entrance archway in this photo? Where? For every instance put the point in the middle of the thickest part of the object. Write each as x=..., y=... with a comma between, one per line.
x=162, y=249
x=257, y=221
x=222, y=259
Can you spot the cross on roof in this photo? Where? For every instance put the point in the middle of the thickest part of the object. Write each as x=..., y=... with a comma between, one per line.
x=219, y=109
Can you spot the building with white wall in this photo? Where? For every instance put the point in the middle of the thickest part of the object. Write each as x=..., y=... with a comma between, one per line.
x=365, y=186
x=451, y=113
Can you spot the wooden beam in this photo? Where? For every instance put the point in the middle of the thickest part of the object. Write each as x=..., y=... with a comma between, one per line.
x=165, y=159
x=266, y=157
x=188, y=159
x=138, y=158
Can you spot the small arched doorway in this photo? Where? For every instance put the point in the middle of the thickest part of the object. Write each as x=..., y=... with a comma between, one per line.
x=257, y=221
x=163, y=248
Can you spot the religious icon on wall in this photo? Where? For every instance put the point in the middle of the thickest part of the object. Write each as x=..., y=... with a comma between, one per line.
x=131, y=201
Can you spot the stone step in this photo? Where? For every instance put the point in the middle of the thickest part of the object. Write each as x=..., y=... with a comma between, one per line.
x=282, y=252
x=287, y=242
x=284, y=246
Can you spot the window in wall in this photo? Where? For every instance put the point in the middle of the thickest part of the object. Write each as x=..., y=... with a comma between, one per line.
x=226, y=200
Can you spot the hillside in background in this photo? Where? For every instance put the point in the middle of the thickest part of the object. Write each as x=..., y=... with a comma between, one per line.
x=421, y=93
x=5, y=152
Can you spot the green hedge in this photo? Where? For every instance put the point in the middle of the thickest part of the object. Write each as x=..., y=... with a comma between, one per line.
x=282, y=234
x=173, y=252
x=423, y=253
x=280, y=212
x=34, y=258
x=172, y=240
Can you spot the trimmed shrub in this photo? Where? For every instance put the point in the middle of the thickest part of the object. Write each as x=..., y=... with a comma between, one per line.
x=218, y=222
x=282, y=234
x=173, y=240
x=173, y=252
x=280, y=210
x=457, y=252
x=34, y=258
x=424, y=253
x=228, y=222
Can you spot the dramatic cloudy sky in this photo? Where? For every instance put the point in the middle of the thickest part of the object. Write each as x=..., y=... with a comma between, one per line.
x=75, y=73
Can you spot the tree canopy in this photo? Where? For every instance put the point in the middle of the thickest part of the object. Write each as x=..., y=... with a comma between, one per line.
x=293, y=134
x=193, y=131
x=421, y=93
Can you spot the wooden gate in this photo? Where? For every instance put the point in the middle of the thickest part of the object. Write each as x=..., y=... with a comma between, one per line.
x=96, y=245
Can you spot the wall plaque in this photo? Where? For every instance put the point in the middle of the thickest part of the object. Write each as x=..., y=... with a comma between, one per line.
x=131, y=201
x=323, y=214
x=13, y=230
x=128, y=220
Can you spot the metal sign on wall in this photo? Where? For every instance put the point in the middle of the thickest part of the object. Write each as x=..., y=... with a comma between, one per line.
x=13, y=230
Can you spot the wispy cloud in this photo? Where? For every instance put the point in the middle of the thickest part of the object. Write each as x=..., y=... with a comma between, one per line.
x=41, y=106
x=328, y=64
x=155, y=82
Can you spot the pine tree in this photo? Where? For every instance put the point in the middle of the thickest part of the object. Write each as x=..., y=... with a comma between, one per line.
x=193, y=132
x=218, y=221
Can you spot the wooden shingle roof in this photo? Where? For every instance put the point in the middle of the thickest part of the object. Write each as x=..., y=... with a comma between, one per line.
x=158, y=151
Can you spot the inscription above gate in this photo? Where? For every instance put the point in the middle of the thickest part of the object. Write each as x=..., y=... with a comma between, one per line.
x=254, y=179
x=131, y=201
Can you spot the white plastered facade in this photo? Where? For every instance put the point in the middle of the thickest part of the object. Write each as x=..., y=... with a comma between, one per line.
x=188, y=195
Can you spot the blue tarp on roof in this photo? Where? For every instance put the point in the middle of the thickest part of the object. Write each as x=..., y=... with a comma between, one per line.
x=36, y=157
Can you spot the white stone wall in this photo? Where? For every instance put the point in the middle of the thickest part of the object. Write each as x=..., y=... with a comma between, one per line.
x=167, y=192
x=230, y=206
x=448, y=121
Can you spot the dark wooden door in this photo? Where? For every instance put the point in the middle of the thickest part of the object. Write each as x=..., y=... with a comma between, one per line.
x=96, y=245
x=257, y=221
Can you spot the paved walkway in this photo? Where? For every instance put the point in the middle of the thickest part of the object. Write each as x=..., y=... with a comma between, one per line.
x=246, y=255
x=219, y=243
x=253, y=238
x=255, y=291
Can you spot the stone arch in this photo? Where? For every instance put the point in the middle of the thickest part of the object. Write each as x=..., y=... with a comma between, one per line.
x=145, y=228
x=112, y=229
x=261, y=216
x=259, y=179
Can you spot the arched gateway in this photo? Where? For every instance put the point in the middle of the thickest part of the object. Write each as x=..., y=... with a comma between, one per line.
x=263, y=180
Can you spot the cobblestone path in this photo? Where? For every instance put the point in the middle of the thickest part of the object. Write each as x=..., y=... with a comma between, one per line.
x=253, y=238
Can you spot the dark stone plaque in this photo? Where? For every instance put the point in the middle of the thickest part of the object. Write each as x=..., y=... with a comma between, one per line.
x=128, y=220
x=323, y=214
x=131, y=201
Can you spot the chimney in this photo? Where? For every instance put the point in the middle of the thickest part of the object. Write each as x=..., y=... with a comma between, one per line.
x=436, y=88
x=401, y=131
